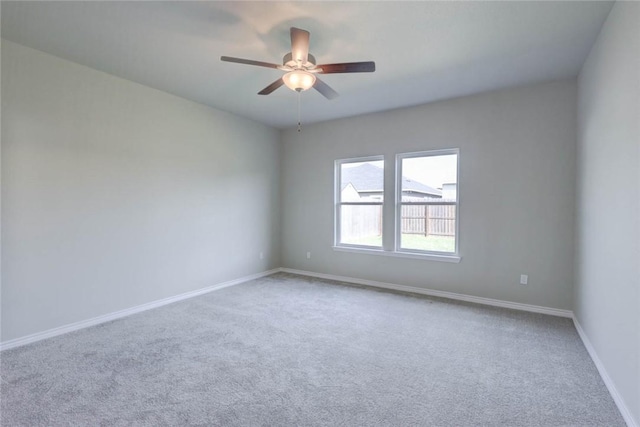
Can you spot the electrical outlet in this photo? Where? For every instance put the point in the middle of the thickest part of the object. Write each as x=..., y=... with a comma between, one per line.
x=261, y=255
x=308, y=255
x=524, y=279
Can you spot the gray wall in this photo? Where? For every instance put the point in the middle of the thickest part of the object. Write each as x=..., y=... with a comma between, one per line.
x=115, y=194
x=517, y=152
x=607, y=290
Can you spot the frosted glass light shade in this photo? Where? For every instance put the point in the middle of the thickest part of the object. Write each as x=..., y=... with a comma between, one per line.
x=299, y=80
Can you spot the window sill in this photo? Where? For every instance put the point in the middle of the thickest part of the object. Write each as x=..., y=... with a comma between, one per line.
x=429, y=257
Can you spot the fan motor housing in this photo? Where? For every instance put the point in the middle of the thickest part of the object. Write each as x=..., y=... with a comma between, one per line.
x=288, y=61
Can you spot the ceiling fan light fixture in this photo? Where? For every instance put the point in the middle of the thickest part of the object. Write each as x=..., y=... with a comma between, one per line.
x=301, y=71
x=299, y=80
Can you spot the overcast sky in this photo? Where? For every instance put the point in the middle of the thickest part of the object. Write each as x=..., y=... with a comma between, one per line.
x=432, y=171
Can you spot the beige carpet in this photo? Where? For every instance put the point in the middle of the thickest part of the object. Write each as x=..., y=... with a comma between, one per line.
x=293, y=351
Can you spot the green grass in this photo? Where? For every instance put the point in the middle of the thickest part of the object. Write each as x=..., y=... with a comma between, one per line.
x=366, y=241
x=428, y=243
x=412, y=241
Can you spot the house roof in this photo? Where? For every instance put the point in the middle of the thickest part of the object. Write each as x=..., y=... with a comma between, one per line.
x=370, y=178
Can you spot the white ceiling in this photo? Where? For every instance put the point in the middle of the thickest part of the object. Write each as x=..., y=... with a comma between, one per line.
x=424, y=51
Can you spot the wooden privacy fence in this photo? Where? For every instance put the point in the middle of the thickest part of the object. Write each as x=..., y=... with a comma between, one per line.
x=358, y=221
x=429, y=220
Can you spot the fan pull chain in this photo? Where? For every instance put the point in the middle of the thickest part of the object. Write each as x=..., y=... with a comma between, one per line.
x=299, y=121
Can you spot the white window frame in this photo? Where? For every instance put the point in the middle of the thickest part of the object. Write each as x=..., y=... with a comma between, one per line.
x=338, y=203
x=452, y=256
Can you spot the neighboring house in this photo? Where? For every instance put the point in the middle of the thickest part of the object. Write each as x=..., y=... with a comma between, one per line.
x=367, y=181
x=449, y=191
x=350, y=194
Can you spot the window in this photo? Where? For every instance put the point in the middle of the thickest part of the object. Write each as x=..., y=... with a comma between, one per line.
x=424, y=223
x=427, y=202
x=359, y=200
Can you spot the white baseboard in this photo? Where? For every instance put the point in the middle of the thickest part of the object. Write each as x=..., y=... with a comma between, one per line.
x=626, y=414
x=434, y=293
x=127, y=312
x=622, y=407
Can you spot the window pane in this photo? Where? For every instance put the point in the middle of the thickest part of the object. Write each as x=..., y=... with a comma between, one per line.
x=429, y=228
x=362, y=181
x=361, y=225
x=430, y=178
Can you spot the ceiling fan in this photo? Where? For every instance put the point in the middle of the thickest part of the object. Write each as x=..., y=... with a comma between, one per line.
x=301, y=68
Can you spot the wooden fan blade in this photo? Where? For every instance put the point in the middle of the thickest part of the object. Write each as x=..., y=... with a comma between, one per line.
x=348, y=67
x=248, y=62
x=299, y=45
x=325, y=89
x=273, y=86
